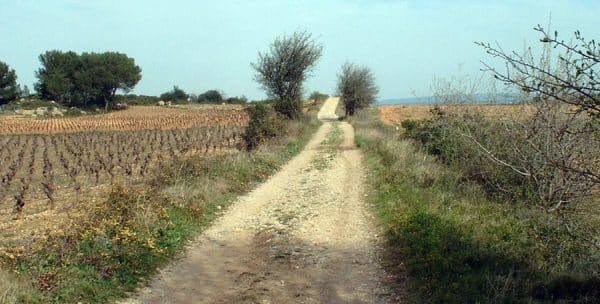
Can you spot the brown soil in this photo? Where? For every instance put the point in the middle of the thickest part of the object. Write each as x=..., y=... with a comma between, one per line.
x=134, y=118
x=304, y=236
x=397, y=113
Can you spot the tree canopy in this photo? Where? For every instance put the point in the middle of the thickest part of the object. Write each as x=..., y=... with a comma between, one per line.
x=8, y=83
x=74, y=79
x=176, y=94
x=283, y=70
x=237, y=100
x=211, y=96
x=318, y=96
x=356, y=87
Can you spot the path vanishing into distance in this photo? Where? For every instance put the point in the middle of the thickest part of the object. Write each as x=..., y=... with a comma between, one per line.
x=304, y=236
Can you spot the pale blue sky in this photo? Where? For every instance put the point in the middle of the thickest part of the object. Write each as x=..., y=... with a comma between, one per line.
x=201, y=45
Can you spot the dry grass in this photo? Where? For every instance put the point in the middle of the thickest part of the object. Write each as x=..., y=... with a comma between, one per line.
x=39, y=219
x=397, y=113
x=12, y=289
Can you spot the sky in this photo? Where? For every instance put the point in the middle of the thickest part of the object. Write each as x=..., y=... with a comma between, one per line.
x=201, y=45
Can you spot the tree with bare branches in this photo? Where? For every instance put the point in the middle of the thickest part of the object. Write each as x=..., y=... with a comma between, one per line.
x=356, y=87
x=559, y=150
x=283, y=70
x=573, y=81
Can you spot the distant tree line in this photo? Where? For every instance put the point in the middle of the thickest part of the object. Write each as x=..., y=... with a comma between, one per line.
x=211, y=96
x=94, y=79
x=318, y=96
x=176, y=94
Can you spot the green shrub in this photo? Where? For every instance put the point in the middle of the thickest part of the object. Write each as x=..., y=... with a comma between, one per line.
x=548, y=159
x=264, y=124
x=317, y=96
x=446, y=136
x=459, y=246
x=136, y=100
x=211, y=96
x=448, y=266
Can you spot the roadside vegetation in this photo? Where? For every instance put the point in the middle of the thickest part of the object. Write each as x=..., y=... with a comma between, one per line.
x=476, y=208
x=356, y=88
x=456, y=243
x=484, y=209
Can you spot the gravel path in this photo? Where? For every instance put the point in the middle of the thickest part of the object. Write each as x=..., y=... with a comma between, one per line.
x=304, y=236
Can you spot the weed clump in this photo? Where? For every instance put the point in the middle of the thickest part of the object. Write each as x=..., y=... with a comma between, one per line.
x=264, y=124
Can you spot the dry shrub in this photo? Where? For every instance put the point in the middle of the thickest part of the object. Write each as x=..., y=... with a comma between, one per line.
x=264, y=124
x=14, y=290
x=457, y=245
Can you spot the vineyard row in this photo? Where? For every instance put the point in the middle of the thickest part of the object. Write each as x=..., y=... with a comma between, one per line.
x=34, y=167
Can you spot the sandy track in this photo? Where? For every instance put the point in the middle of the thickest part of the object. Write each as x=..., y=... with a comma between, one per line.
x=304, y=236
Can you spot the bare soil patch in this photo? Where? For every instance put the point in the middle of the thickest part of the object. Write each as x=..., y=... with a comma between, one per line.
x=397, y=113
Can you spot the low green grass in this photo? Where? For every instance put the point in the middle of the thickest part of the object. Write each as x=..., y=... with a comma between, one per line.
x=323, y=160
x=126, y=237
x=457, y=245
x=335, y=136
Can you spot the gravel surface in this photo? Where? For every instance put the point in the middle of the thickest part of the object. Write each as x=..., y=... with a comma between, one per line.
x=304, y=236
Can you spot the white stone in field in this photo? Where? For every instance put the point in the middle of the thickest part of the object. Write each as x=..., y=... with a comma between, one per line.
x=28, y=112
x=56, y=112
x=41, y=111
x=161, y=103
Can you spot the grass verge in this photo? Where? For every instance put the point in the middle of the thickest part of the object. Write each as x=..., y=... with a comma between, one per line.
x=102, y=254
x=457, y=245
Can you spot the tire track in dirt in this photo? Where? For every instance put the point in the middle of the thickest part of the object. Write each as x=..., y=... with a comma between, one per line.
x=304, y=236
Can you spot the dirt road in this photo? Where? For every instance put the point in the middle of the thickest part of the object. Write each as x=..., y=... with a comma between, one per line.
x=304, y=236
